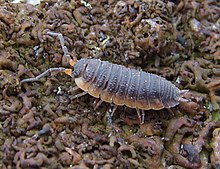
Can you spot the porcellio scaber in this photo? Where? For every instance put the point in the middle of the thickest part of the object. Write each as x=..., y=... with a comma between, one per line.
x=119, y=85
x=125, y=86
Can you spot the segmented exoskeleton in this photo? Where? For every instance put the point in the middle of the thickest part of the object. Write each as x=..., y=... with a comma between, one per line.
x=124, y=86
x=120, y=85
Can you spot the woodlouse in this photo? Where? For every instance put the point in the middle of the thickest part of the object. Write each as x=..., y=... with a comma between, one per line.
x=119, y=85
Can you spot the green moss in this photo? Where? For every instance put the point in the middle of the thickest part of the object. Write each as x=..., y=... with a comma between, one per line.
x=216, y=116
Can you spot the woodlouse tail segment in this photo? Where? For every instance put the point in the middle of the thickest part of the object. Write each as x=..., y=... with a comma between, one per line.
x=181, y=99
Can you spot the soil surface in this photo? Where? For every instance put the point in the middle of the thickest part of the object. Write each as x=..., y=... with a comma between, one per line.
x=41, y=126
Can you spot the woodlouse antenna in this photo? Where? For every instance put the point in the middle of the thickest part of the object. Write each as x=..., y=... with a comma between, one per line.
x=62, y=42
x=50, y=70
x=59, y=69
x=64, y=48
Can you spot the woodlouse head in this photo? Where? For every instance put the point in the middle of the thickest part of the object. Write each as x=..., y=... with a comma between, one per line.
x=78, y=68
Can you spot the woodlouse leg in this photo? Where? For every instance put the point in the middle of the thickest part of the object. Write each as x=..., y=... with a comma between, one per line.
x=109, y=118
x=170, y=111
x=34, y=79
x=75, y=88
x=140, y=116
x=113, y=110
x=143, y=115
x=98, y=104
x=78, y=95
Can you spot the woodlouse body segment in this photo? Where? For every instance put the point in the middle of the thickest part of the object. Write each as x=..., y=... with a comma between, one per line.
x=125, y=86
x=143, y=94
x=112, y=84
x=101, y=79
x=119, y=97
x=132, y=89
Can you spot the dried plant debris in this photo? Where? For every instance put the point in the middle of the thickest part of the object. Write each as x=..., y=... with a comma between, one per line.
x=42, y=127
